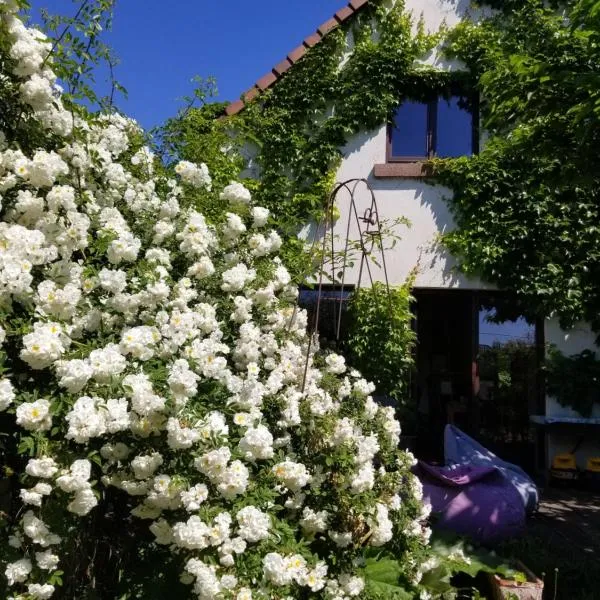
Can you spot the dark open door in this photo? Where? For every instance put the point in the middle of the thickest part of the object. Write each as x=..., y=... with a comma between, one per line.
x=484, y=377
x=444, y=359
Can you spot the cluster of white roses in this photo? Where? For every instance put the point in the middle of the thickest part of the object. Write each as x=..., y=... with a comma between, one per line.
x=165, y=331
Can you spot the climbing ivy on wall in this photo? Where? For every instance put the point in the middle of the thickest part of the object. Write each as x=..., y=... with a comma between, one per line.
x=528, y=206
x=296, y=130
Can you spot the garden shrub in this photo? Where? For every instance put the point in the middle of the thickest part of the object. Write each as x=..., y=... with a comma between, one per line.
x=155, y=392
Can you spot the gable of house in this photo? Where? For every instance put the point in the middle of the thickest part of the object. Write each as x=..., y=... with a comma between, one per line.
x=450, y=307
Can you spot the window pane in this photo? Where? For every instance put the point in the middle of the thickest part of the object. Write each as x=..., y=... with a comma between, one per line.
x=454, y=133
x=507, y=388
x=333, y=302
x=409, y=135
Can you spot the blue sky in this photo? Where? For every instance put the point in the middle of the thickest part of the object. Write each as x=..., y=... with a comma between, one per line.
x=162, y=45
x=490, y=333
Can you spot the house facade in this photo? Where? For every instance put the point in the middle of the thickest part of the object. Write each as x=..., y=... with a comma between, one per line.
x=484, y=377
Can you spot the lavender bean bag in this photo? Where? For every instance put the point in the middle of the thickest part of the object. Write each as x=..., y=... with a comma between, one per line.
x=460, y=449
x=477, y=502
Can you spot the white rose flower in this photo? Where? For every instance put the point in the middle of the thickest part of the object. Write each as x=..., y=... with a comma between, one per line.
x=7, y=394
x=196, y=175
x=17, y=572
x=254, y=524
x=40, y=591
x=34, y=416
x=46, y=560
x=83, y=502
x=44, y=467
x=236, y=193
x=260, y=216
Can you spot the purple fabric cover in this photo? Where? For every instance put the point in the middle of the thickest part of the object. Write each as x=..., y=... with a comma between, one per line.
x=460, y=449
x=477, y=502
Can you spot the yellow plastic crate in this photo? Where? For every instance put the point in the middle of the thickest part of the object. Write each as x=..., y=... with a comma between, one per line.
x=564, y=462
x=593, y=465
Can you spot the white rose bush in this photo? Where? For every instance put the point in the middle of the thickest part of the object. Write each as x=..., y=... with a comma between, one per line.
x=155, y=371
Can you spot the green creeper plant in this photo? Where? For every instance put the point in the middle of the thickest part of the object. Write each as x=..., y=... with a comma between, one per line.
x=295, y=132
x=380, y=339
x=526, y=207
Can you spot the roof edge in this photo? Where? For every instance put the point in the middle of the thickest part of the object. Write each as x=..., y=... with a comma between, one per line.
x=270, y=78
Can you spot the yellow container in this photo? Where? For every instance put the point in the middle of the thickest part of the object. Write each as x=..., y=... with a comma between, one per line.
x=564, y=462
x=593, y=465
x=564, y=468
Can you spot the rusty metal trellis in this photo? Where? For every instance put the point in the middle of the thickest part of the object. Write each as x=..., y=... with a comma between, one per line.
x=370, y=235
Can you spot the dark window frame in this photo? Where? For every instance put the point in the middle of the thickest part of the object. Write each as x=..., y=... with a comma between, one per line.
x=431, y=131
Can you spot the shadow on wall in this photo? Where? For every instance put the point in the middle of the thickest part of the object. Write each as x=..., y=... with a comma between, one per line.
x=420, y=246
x=428, y=210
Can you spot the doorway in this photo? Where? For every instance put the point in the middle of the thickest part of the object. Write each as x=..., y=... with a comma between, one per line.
x=476, y=372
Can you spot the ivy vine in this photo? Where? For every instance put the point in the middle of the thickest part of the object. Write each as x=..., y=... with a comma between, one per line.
x=296, y=130
x=527, y=207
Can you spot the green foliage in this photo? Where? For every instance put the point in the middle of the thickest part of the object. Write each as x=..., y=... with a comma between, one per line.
x=294, y=132
x=198, y=132
x=455, y=567
x=452, y=570
x=380, y=339
x=574, y=380
x=383, y=576
x=527, y=207
x=78, y=49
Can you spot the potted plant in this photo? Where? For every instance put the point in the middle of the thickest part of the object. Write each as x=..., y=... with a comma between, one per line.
x=520, y=585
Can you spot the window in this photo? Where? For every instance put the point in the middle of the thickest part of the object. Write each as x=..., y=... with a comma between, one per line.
x=332, y=311
x=442, y=127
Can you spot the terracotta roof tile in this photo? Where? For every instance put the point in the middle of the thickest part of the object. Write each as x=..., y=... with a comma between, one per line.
x=313, y=39
x=326, y=27
x=250, y=94
x=234, y=107
x=266, y=80
x=296, y=54
x=344, y=13
x=283, y=66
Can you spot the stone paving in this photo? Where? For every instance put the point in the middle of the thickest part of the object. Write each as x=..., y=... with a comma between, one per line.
x=573, y=515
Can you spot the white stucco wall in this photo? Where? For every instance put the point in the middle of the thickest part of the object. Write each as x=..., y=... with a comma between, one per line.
x=571, y=342
x=422, y=203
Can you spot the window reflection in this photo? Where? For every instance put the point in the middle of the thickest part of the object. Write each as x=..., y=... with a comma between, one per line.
x=507, y=388
x=454, y=130
x=440, y=127
x=409, y=135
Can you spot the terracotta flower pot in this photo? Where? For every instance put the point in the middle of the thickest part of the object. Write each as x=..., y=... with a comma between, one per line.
x=532, y=589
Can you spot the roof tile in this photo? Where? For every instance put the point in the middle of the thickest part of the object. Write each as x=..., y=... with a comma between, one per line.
x=266, y=80
x=234, y=107
x=250, y=94
x=356, y=4
x=344, y=14
x=296, y=54
x=326, y=27
x=312, y=40
x=283, y=66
